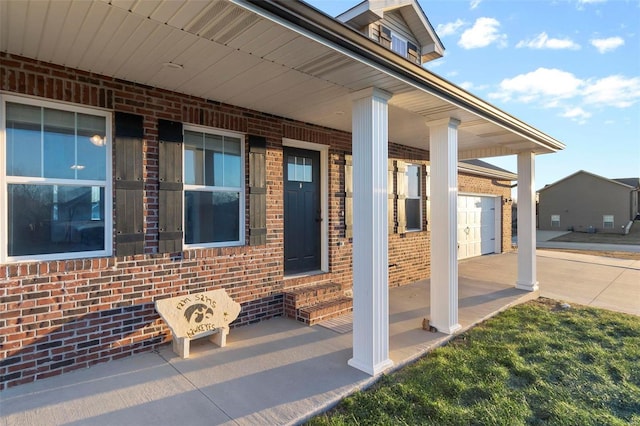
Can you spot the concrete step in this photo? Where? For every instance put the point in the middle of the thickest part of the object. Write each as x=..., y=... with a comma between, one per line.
x=325, y=310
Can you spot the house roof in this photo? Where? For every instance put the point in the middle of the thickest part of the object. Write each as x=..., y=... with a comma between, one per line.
x=370, y=11
x=579, y=172
x=281, y=57
x=632, y=182
x=482, y=168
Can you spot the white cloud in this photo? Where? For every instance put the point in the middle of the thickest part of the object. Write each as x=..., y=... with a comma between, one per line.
x=590, y=1
x=557, y=89
x=576, y=114
x=474, y=4
x=466, y=85
x=483, y=33
x=449, y=28
x=615, y=91
x=605, y=45
x=542, y=41
x=543, y=83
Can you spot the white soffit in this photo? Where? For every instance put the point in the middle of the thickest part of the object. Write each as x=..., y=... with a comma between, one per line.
x=229, y=54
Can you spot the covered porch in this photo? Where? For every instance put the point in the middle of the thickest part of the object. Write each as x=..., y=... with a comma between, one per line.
x=289, y=60
x=274, y=372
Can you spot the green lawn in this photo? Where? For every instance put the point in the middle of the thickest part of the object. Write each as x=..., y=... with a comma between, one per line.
x=533, y=364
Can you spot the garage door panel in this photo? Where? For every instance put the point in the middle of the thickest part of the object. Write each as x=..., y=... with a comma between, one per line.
x=476, y=225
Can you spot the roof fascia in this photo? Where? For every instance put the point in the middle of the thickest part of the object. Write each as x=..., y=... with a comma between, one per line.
x=312, y=23
x=356, y=11
x=483, y=171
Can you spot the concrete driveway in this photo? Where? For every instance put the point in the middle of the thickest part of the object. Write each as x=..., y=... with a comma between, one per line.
x=597, y=281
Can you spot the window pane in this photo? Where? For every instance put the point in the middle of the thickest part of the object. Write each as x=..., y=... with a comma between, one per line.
x=212, y=217
x=299, y=169
x=92, y=148
x=193, y=158
x=398, y=45
x=213, y=157
x=59, y=144
x=291, y=168
x=45, y=219
x=232, y=164
x=412, y=207
x=413, y=181
x=23, y=140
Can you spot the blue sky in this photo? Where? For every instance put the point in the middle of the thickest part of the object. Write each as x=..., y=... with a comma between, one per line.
x=570, y=68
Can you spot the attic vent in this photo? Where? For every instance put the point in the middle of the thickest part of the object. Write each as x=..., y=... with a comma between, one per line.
x=206, y=17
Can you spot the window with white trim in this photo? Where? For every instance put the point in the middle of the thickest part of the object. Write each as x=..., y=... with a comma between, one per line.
x=413, y=200
x=555, y=221
x=399, y=44
x=56, y=172
x=213, y=188
x=607, y=221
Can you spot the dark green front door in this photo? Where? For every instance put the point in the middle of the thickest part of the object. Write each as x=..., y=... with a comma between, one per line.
x=302, y=213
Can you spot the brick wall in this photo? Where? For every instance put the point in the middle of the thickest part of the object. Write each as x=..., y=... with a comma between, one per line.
x=58, y=316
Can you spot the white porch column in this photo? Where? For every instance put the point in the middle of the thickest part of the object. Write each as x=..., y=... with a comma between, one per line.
x=370, y=237
x=527, y=279
x=443, y=152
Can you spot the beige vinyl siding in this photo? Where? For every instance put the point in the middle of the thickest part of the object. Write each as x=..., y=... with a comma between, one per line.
x=396, y=23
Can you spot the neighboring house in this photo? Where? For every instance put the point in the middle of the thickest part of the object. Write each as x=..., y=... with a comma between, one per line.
x=585, y=202
x=151, y=150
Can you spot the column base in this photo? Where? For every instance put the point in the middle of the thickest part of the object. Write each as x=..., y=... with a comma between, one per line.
x=446, y=330
x=527, y=286
x=370, y=370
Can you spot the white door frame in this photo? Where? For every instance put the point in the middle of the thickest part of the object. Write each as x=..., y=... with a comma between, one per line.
x=324, y=194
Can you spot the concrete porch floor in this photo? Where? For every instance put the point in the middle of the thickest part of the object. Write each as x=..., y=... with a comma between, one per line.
x=275, y=372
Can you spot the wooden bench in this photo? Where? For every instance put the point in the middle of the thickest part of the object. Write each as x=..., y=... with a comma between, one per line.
x=198, y=315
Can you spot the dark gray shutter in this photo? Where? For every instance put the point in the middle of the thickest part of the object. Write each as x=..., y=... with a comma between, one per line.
x=257, y=190
x=348, y=196
x=401, y=190
x=391, y=194
x=170, y=197
x=412, y=52
x=129, y=184
x=385, y=37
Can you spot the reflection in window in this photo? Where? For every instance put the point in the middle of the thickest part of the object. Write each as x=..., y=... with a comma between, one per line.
x=413, y=201
x=64, y=212
x=607, y=221
x=212, y=217
x=212, y=160
x=213, y=188
x=555, y=220
x=51, y=143
x=299, y=169
x=46, y=219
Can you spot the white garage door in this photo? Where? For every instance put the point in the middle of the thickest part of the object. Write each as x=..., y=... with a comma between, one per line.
x=476, y=226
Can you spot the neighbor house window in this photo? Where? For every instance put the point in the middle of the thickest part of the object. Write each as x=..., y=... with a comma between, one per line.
x=607, y=221
x=555, y=221
x=56, y=180
x=413, y=200
x=214, y=188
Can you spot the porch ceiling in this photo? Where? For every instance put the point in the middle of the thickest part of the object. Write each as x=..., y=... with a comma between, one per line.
x=234, y=55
